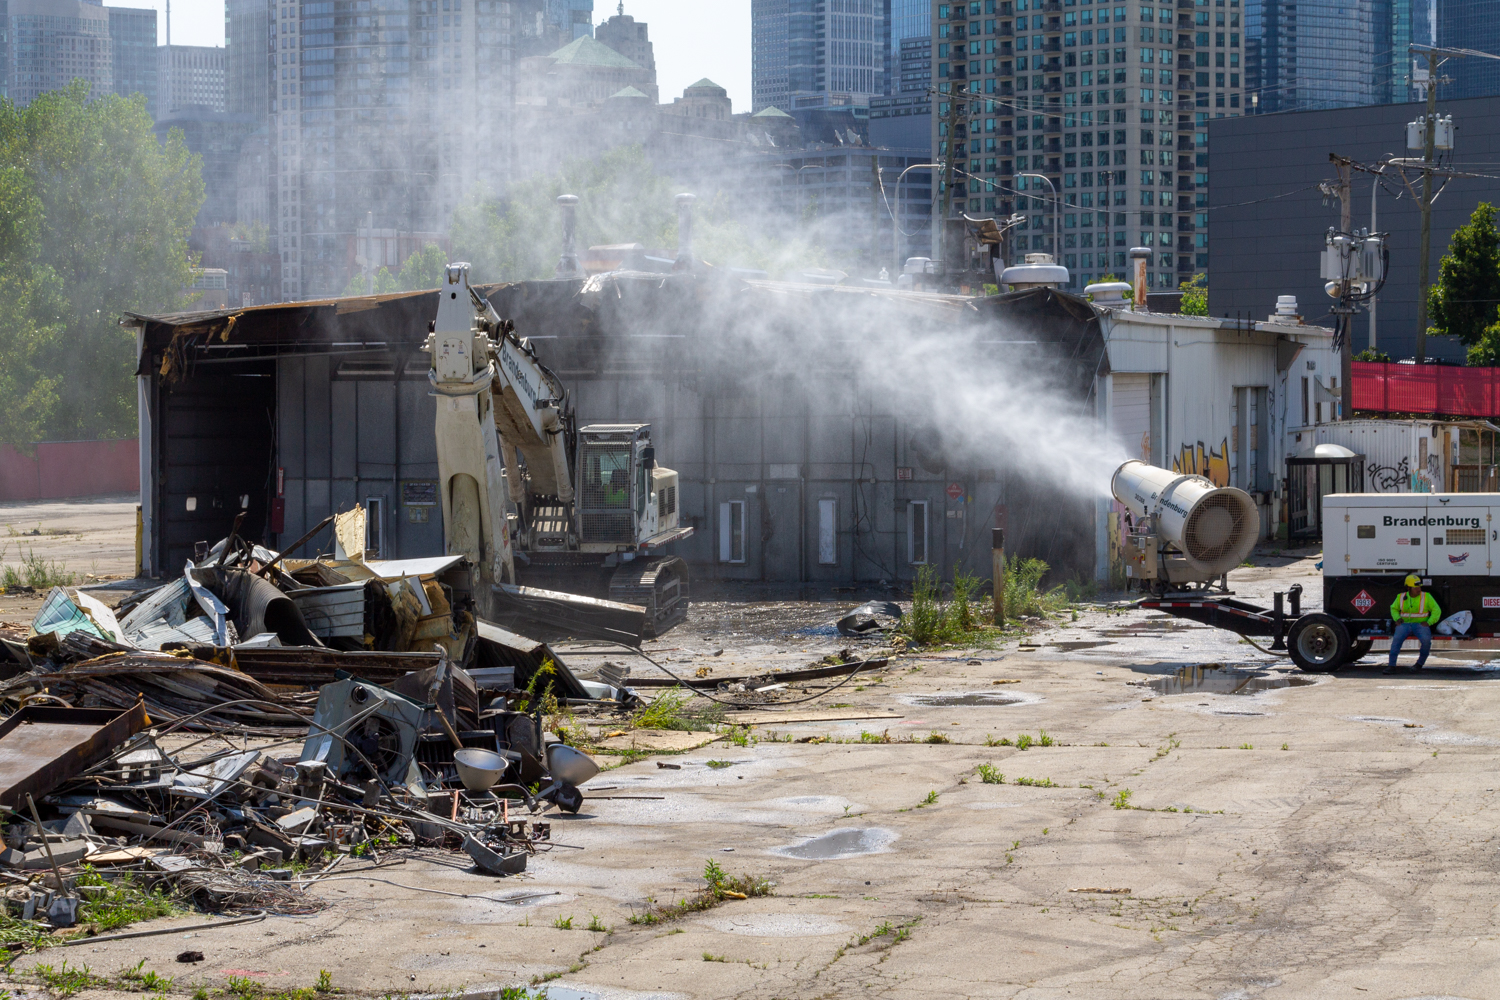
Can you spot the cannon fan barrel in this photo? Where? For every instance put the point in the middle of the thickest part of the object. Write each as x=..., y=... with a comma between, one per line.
x=1215, y=526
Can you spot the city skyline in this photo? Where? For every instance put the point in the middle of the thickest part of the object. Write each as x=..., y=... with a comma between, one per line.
x=712, y=42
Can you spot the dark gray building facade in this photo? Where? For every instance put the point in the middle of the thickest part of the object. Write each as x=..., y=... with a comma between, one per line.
x=1269, y=218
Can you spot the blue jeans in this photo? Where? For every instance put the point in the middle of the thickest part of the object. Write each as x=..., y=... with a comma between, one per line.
x=1421, y=630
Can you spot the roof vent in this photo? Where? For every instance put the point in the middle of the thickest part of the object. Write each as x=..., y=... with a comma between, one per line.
x=1039, y=271
x=1109, y=293
x=1286, y=310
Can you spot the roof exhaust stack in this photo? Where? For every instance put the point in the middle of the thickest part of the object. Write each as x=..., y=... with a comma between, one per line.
x=567, y=264
x=684, y=260
x=1139, y=258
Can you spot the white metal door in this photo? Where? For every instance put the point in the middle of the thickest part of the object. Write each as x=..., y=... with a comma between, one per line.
x=1130, y=412
x=828, y=532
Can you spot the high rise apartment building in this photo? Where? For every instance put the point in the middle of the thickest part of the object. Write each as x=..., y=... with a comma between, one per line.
x=1469, y=24
x=247, y=57
x=1308, y=55
x=383, y=114
x=818, y=53
x=910, y=47
x=1101, y=104
x=190, y=76
x=47, y=44
x=132, y=40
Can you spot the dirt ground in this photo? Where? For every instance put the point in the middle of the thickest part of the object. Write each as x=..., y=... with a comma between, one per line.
x=1207, y=822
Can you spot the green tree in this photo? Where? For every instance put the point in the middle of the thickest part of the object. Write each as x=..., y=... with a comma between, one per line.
x=385, y=283
x=1486, y=353
x=1194, y=296
x=423, y=269
x=1465, y=300
x=116, y=206
x=31, y=308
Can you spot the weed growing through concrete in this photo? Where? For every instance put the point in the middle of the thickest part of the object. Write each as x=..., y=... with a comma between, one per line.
x=35, y=571
x=930, y=800
x=990, y=776
x=931, y=622
x=1037, y=782
x=990, y=741
x=936, y=737
x=122, y=902
x=665, y=712
x=867, y=737
x=67, y=980
x=1122, y=799
x=1023, y=742
x=1246, y=746
x=1285, y=747
x=564, y=923
x=720, y=763
x=144, y=980
x=741, y=736
x=595, y=924
x=721, y=886
x=714, y=958
x=325, y=981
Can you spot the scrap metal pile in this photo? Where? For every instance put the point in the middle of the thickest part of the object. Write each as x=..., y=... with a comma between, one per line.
x=243, y=728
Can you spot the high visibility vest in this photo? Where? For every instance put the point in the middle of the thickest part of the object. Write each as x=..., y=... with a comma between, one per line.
x=1422, y=608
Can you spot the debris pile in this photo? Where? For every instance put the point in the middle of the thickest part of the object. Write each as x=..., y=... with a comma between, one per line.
x=233, y=736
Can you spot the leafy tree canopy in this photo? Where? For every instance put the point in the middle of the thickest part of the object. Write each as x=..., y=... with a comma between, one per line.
x=97, y=216
x=1465, y=300
x=1194, y=296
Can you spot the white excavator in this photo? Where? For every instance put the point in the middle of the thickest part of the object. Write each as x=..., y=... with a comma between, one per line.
x=583, y=510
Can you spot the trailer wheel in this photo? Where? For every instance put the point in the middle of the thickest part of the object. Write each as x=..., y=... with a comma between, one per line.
x=1319, y=643
x=1358, y=650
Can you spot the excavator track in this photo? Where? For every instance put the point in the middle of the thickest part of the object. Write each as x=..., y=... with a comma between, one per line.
x=658, y=584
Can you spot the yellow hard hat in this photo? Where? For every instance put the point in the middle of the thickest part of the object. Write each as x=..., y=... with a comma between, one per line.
x=1413, y=580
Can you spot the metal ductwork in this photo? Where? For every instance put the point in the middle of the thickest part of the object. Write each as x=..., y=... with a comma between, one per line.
x=1215, y=527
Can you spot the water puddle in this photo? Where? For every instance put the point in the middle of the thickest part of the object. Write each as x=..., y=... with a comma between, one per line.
x=973, y=699
x=1222, y=680
x=846, y=843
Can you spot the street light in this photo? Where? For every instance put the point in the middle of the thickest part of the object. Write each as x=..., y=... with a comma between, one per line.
x=1053, y=187
x=896, y=218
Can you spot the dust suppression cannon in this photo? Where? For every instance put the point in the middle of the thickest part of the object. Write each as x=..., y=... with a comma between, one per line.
x=1185, y=531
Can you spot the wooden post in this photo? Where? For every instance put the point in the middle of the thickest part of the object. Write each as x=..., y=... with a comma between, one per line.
x=997, y=555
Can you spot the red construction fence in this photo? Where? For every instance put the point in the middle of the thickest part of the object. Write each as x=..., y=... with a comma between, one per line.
x=61, y=469
x=1443, y=390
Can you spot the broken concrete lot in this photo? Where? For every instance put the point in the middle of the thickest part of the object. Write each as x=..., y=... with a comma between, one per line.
x=1173, y=840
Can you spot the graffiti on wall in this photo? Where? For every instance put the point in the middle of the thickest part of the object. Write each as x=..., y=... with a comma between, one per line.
x=1389, y=478
x=1212, y=464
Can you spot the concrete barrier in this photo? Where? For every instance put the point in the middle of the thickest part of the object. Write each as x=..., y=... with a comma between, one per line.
x=61, y=469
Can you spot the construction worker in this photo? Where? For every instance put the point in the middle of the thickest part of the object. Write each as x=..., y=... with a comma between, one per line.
x=1415, y=612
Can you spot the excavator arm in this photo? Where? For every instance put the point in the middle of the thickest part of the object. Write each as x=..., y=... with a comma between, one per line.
x=531, y=406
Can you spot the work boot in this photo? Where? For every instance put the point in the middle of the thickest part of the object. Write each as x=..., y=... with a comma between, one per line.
x=1394, y=669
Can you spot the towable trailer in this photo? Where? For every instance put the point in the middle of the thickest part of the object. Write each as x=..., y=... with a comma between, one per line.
x=1371, y=542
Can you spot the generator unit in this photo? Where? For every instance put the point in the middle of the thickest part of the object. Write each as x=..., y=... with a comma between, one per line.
x=1371, y=543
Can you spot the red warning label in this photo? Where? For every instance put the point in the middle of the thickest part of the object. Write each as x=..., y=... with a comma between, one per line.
x=1363, y=602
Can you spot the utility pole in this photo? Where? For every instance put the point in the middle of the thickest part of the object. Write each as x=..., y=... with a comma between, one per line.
x=945, y=247
x=1428, y=140
x=1346, y=352
x=1435, y=58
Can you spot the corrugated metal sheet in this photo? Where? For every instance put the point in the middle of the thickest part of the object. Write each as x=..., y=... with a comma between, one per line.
x=333, y=611
x=1392, y=450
